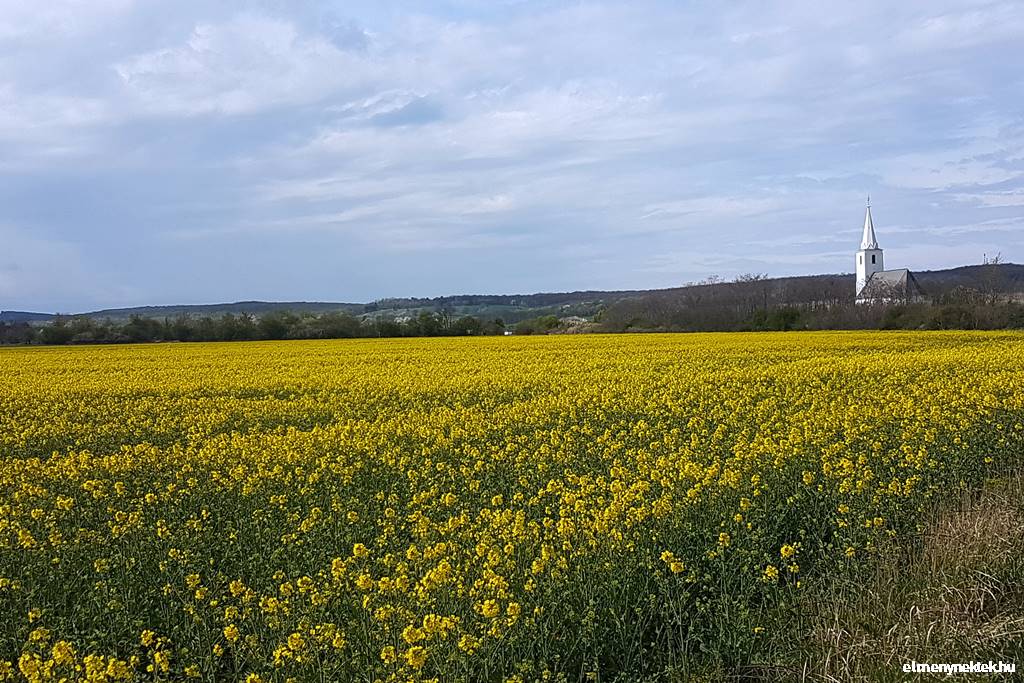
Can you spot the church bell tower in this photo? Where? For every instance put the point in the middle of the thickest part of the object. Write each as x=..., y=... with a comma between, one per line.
x=869, y=257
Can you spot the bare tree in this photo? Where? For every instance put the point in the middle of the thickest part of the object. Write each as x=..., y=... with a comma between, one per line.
x=755, y=289
x=993, y=279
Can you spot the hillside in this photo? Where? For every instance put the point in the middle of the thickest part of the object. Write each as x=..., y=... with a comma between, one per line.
x=516, y=307
x=511, y=307
x=24, y=317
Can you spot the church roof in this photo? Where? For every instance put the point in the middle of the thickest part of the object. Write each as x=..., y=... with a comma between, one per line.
x=868, y=240
x=892, y=284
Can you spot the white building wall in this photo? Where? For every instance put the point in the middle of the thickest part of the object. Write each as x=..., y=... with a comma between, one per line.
x=869, y=262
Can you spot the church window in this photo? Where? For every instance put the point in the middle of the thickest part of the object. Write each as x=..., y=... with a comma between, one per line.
x=861, y=258
x=872, y=258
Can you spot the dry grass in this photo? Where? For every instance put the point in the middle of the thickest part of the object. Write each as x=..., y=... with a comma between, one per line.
x=956, y=595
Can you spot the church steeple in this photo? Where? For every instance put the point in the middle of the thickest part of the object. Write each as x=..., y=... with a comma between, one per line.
x=869, y=257
x=868, y=241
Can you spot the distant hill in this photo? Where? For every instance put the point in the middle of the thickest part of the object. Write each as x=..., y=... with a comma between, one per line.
x=509, y=307
x=516, y=307
x=237, y=308
x=24, y=317
x=196, y=310
x=1009, y=275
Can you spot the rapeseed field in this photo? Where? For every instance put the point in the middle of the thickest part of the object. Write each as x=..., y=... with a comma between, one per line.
x=481, y=509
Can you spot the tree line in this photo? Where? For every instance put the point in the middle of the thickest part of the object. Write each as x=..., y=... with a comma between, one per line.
x=982, y=297
x=987, y=300
x=244, y=327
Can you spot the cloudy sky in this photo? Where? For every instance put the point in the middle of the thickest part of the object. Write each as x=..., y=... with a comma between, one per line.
x=195, y=151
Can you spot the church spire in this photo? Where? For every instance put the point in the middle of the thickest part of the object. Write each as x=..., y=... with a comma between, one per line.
x=868, y=241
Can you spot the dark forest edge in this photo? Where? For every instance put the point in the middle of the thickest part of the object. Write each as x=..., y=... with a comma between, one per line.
x=275, y=326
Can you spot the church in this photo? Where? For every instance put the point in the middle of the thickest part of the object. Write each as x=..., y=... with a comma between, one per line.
x=874, y=283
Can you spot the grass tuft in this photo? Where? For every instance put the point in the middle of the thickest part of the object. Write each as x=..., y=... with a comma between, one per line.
x=953, y=594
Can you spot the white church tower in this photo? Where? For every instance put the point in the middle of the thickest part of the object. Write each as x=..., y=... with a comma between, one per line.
x=869, y=257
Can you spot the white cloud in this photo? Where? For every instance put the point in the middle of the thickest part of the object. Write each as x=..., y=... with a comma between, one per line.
x=26, y=19
x=246, y=64
x=981, y=155
x=959, y=29
x=712, y=208
x=38, y=115
x=927, y=172
x=994, y=199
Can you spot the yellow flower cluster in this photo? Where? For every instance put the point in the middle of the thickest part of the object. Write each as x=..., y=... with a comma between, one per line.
x=461, y=509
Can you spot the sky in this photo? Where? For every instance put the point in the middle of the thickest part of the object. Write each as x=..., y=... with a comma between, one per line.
x=198, y=152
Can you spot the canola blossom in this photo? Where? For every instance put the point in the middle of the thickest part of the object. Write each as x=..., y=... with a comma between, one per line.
x=519, y=509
